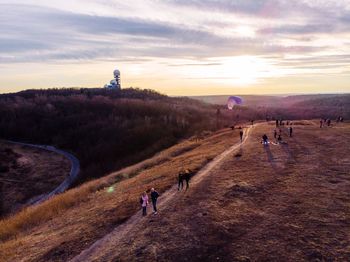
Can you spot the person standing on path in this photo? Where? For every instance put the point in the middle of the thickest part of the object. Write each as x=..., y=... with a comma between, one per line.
x=265, y=139
x=180, y=181
x=187, y=177
x=241, y=135
x=154, y=197
x=279, y=139
x=290, y=131
x=275, y=133
x=144, y=203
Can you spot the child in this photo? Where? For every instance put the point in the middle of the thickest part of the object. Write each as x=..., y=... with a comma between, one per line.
x=144, y=203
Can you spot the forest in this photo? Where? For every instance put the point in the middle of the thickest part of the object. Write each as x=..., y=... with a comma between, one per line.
x=105, y=129
x=111, y=129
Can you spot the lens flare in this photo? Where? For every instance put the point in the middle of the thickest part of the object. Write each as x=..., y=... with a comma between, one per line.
x=110, y=189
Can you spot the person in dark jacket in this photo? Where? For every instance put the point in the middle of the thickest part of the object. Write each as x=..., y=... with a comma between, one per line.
x=265, y=139
x=154, y=197
x=241, y=135
x=187, y=177
x=180, y=181
x=290, y=131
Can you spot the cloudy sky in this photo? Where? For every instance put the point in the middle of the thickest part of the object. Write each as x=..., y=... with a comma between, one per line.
x=178, y=47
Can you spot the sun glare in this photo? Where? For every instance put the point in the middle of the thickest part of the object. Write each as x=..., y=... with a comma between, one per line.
x=244, y=31
x=233, y=71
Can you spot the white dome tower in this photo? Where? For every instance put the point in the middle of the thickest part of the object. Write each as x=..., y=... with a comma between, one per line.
x=114, y=83
x=116, y=74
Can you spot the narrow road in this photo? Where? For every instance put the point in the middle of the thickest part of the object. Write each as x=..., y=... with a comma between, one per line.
x=111, y=240
x=73, y=174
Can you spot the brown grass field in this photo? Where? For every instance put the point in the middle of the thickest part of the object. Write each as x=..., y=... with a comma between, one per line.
x=287, y=202
x=62, y=227
x=27, y=173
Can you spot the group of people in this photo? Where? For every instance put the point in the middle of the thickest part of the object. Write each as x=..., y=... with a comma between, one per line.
x=279, y=122
x=327, y=121
x=277, y=136
x=184, y=175
x=144, y=199
x=324, y=122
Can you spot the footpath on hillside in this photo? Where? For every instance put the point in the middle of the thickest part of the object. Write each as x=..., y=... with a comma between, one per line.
x=168, y=198
x=278, y=203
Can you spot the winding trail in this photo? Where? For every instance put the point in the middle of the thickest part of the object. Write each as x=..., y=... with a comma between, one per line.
x=111, y=240
x=73, y=174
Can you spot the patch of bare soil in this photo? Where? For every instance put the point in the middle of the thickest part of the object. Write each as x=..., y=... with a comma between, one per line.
x=27, y=172
x=287, y=202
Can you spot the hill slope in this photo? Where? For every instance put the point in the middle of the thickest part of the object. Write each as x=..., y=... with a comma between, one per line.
x=67, y=224
x=283, y=202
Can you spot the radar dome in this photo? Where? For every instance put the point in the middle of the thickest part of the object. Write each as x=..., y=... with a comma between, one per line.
x=116, y=73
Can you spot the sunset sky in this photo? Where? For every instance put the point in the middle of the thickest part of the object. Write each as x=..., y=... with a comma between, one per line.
x=177, y=47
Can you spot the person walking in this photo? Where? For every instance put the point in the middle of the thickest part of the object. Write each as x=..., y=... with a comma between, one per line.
x=265, y=139
x=290, y=131
x=187, y=177
x=241, y=135
x=279, y=139
x=180, y=181
x=275, y=134
x=154, y=197
x=144, y=203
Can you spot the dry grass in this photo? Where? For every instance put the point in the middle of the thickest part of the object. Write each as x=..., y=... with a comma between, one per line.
x=68, y=223
x=286, y=202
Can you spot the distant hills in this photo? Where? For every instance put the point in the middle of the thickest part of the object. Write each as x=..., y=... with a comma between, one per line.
x=280, y=101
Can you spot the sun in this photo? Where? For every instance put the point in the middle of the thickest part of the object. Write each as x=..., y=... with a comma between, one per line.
x=243, y=70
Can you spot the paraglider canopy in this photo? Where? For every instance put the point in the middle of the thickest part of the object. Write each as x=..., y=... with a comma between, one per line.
x=233, y=100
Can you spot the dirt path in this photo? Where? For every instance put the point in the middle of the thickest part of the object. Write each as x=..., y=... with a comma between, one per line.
x=284, y=204
x=112, y=239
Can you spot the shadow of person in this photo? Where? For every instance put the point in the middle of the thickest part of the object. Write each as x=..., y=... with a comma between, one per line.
x=270, y=157
x=239, y=153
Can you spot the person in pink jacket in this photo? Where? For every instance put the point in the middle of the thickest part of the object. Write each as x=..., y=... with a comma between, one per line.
x=144, y=203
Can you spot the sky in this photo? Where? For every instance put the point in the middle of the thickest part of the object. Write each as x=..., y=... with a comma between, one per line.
x=177, y=47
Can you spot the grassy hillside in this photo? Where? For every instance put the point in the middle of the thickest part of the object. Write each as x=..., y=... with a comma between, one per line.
x=284, y=202
x=293, y=197
x=68, y=223
x=26, y=173
x=105, y=129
